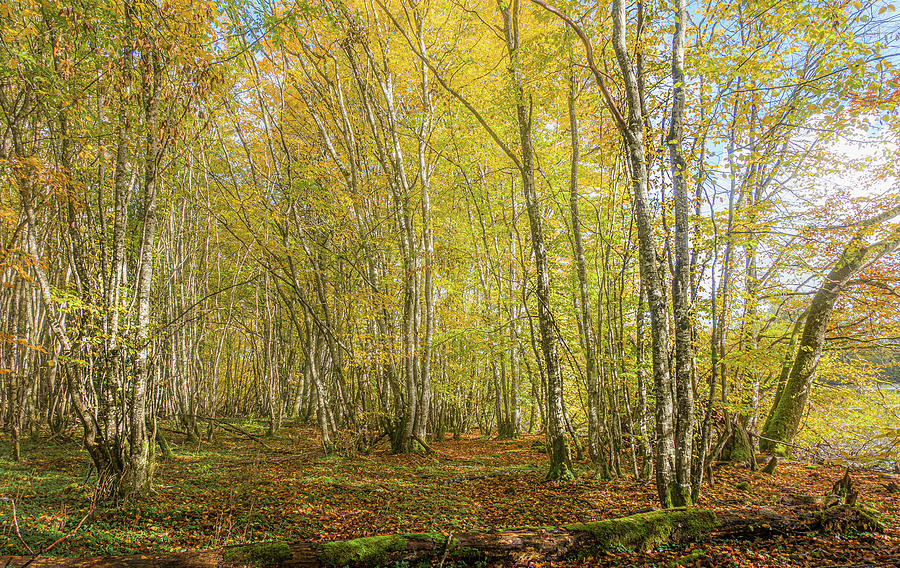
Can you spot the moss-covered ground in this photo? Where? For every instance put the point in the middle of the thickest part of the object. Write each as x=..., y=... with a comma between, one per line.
x=233, y=491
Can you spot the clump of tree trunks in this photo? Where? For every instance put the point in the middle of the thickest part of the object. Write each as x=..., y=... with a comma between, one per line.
x=521, y=545
x=161, y=260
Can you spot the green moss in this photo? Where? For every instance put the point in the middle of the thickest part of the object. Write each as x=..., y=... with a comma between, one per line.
x=689, y=559
x=646, y=530
x=437, y=538
x=680, y=495
x=871, y=518
x=366, y=550
x=743, y=485
x=560, y=472
x=466, y=554
x=846, y=518
x=740, y=453
x=260, y=555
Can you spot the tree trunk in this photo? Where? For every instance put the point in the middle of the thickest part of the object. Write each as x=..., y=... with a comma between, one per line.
x=136, y=476
x=585, y=322
x=650, y=276
x=560, y=460
x=786, y=415
x=427, y=292
x=681, y=299
x=643, y=408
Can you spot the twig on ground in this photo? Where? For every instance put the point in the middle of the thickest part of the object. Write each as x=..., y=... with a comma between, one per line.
x=428, y=448
x=94, y=499
x=242, y=432
x=63, y=537
x=16, y=522
x=446, y=549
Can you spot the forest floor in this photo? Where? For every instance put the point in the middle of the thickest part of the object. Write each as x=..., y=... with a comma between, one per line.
x=236, y=490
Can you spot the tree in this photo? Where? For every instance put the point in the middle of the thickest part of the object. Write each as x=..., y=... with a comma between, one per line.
x=632, y=132
x=681, y=284
x=560, y=460
x=787, y=410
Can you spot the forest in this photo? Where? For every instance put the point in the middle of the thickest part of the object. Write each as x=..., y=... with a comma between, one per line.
x=402, y=282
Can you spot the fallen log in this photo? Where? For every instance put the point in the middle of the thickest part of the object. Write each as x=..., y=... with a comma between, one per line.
x=519, y=545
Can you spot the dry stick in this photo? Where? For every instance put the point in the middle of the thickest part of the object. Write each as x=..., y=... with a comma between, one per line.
x=68, y=534
x=446, y=549
x=243, y=432
x=428, y=448
x=257, y=459
x=63, y=537
x=751, y=433
x=809, y=451
x=16, y=522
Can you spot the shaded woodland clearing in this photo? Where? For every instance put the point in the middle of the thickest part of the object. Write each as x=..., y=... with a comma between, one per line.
x=233, y=490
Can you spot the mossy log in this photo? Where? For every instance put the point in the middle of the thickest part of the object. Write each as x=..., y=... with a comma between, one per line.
x=766, y=522
x=519, y=545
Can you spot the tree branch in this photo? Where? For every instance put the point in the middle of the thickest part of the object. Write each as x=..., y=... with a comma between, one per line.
x=589, y=54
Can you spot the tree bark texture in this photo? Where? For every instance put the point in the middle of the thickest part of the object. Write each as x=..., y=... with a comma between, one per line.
x=649, y=267
x=681, y=299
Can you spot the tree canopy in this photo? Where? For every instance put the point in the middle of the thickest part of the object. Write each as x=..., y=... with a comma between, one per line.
x=660, y=233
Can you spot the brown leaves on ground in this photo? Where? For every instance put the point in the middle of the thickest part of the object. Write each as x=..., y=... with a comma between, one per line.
x=234, y=490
